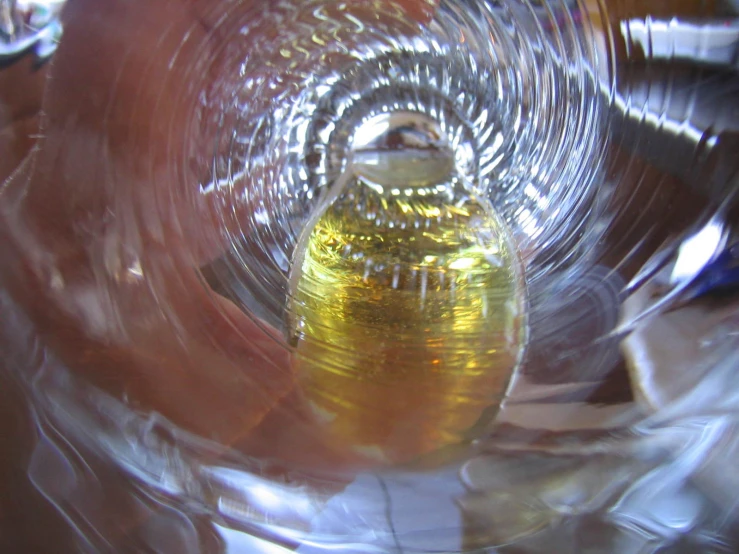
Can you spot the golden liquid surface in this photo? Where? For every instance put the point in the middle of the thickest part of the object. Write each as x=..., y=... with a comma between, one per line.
x=407, y=318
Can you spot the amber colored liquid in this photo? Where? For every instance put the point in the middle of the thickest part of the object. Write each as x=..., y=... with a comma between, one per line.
x=407, y=318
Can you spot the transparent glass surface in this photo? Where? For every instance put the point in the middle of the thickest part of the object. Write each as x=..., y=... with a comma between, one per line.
x=381, y=277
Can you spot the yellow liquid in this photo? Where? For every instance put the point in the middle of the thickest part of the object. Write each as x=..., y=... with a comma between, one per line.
x=406, y=318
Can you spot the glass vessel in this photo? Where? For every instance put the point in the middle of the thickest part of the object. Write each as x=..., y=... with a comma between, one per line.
x=384, y=276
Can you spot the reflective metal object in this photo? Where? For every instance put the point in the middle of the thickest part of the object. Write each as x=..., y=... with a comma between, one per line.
x=710, y=42
x=29, y=26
